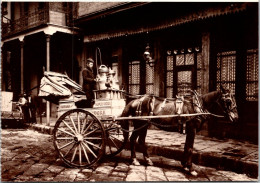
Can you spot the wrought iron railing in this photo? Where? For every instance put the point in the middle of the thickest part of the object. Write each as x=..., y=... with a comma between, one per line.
x=30, y=20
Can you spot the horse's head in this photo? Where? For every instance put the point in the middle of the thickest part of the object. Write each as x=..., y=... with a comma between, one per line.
x=228, y=103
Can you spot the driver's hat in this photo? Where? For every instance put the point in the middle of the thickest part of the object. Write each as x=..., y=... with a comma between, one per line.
x=90, y=60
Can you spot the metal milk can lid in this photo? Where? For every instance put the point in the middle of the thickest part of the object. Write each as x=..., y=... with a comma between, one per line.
x=103, y=69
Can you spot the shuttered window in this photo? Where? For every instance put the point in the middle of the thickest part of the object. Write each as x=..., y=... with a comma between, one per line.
x=169, y=77
x=134, y=77
x=226, y=70
x=252, y=75
x=149, y=79
x=182, y=67
x=199, y=73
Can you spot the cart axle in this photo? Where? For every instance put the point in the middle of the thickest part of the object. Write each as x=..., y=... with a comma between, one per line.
x=78, y=138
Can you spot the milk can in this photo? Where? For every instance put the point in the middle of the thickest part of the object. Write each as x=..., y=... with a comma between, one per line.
x=102, y=77
x=114, y=84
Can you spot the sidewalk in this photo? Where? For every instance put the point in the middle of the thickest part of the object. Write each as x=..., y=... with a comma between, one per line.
x=228, y=154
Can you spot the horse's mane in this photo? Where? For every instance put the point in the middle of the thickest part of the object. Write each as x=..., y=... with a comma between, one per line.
x=210, y=97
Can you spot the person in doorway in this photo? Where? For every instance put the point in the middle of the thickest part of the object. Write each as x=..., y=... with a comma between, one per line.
x=89, y=81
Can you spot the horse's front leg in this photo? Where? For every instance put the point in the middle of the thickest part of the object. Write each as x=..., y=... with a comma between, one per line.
x=188, y=148
x=132, y=147
x=141, y=141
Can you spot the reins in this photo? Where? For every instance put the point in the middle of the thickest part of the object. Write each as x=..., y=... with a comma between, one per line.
x=150, y=117
x=162, y=116
x=124, y=130
x=199, y=105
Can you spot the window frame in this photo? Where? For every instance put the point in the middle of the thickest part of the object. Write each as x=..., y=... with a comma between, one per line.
x=130, y=81
x=178, y=68
x=250, y=52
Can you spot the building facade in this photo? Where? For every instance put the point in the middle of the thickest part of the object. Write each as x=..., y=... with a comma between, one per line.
x=193, y=46
x=37, y=37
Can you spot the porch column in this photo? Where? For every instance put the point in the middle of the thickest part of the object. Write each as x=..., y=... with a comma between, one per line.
x=48, y=37
x=158, y=68
x=205, y=63
x=3, y=87
x=22, y=62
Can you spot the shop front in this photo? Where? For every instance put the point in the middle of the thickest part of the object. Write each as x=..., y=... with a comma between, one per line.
x=199, y=47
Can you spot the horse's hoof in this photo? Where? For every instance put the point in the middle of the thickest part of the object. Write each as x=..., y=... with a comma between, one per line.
x=192, y=172
x=149, y=162
x=135, y=162
x=186, y=169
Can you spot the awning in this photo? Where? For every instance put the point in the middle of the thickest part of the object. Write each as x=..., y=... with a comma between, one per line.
x=211, y=12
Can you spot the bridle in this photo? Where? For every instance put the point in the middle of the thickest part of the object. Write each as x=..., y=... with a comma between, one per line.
x=198, y=104
x=222, y=102
x=228, y=101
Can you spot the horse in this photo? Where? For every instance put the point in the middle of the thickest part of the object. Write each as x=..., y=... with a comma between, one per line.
x=217, y=102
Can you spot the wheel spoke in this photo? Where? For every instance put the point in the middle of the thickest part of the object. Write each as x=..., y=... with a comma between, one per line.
x=92, y=138
x=84, y=150
x=74, y=153
x=90, y=132
x=65, y=138
x=113, y=143
x=69, y=150
x=73, y=123
x=88, y=127
x=80, y=158
x=116, y=139
x=115, y=132
x=110, y=149
x=84, y=124
x=66, y=132
x=66, y=145
x=86, y=145
x=93, y=144
x=78, y=122
x=79, y=138
x=68, y=126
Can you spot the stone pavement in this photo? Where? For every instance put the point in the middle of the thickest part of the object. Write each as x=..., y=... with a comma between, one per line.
x=29, y=156
x=224, y=154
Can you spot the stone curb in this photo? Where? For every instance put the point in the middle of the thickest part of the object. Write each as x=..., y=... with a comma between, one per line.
x=41, y=128
x=208, y=159
x=205, y=159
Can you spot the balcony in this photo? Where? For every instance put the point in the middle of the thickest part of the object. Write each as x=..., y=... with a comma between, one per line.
x=34, y=20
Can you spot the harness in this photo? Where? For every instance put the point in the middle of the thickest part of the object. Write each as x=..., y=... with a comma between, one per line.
x=179, y=111
x=179, y=101
x=196, y=102
x=138, y=111
x=152, y=106
x=198, y=105
x=227, y=97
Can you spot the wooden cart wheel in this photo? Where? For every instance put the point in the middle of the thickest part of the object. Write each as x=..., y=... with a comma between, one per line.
x=116, y=137
x=79, y=138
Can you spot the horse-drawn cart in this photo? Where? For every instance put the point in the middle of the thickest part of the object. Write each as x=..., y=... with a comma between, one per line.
x=82, y=136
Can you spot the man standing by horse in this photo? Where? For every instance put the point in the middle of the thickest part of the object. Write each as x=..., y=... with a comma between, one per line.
x=89, y=81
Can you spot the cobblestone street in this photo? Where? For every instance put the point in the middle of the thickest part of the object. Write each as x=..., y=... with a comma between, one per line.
x=30, y=156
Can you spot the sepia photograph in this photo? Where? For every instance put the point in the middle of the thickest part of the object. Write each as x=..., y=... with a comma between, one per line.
x=117, y=91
